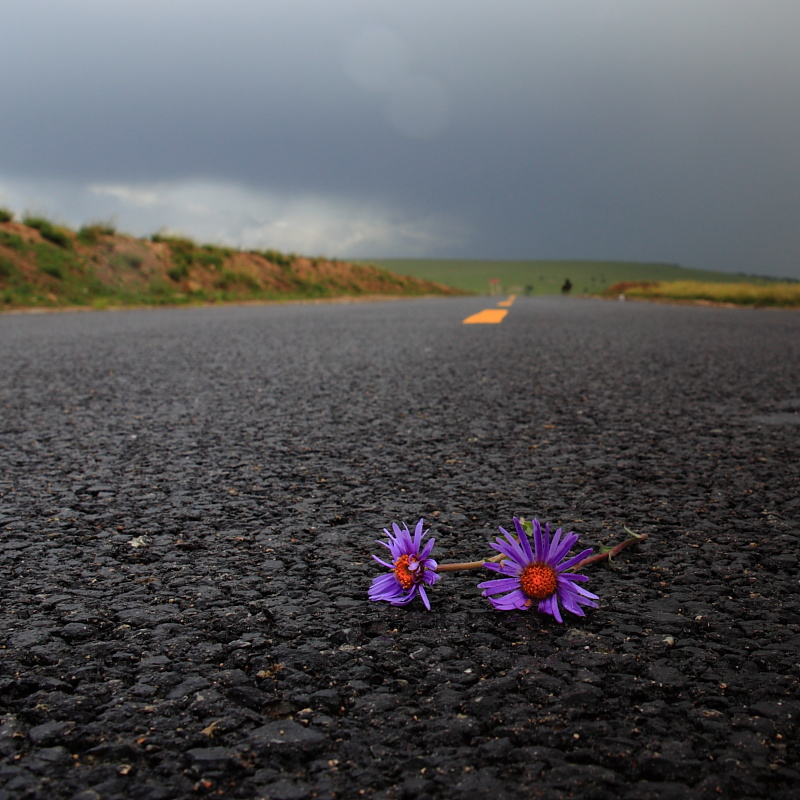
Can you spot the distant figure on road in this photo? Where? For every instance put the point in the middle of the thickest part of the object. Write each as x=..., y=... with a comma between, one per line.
x=565, y=289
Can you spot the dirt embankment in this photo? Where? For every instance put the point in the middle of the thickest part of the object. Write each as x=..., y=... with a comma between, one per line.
x=44, y=265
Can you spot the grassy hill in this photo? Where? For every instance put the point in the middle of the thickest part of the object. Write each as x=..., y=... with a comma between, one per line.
x=46, y=265
x=547, y=277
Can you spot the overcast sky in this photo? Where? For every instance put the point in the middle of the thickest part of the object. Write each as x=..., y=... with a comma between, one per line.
x=647, y=130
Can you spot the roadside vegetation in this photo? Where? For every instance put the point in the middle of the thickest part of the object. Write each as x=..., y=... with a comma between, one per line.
x=43, y=264
x=486, y=276
x=775, y=294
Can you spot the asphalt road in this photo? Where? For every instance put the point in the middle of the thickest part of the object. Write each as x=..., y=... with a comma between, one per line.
x=189, y=500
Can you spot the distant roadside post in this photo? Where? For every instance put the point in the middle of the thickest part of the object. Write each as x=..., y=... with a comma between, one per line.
x=494, y=286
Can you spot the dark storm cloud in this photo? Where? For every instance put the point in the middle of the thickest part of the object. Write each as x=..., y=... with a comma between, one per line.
x=646, y=131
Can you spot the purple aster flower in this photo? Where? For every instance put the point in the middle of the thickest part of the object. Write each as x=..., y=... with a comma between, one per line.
x=410, y=569
x=535, y=576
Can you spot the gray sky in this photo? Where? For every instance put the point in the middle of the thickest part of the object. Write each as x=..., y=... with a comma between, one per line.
x=653, y=130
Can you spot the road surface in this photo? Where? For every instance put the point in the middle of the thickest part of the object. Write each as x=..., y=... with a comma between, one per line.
x=189, y=501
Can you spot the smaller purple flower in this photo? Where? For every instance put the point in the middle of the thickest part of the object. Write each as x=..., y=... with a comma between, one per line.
x=410, y=570
x=535, y=576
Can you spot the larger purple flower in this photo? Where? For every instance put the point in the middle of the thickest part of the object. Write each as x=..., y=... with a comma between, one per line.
x=535, y=576
x=410, y=570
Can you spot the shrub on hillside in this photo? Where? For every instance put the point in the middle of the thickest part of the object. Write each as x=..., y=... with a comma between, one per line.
x=185, y=253
x=90, y=234
x=53, y=233
x=232, y=279
x=56, y=261
x=281, y=259
x=178, y=272
x=12, y=241
x=126, y=260
x=211, y=256
x=7, y=268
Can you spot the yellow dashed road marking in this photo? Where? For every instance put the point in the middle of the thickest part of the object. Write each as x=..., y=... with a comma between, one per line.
x=489, y=315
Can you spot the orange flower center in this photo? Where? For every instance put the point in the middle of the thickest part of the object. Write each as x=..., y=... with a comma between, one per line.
x=538, y=580
x=403, y=574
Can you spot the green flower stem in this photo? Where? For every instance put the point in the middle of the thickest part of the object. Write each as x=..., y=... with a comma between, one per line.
x=467, y=564
x=609, y=554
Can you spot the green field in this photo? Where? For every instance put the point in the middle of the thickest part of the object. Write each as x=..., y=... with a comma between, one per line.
x=547, y=277
x=774, y=294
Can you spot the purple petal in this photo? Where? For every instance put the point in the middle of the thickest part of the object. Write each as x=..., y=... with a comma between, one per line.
x=584, y=601
x=569, y=576
x=499, y=585
x=516, y=547
x=418, y=534
x=538, y=546
x=424, y=596
x=405, y=599
x=578, y=591
x=387, y=580
x=506, y=568
x=554, y=545
x=550, y=606
x=546, y=537
x=384, y=587
x=427, y=549
x=524, y=542
x=569, y=603
x=431, y=577
x=575, y=559
x=510, y=547
x=510, y=602
x=401, y=536
x=391, y=545
x=567, y=543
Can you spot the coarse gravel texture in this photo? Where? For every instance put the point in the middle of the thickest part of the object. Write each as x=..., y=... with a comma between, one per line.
x=189, y=500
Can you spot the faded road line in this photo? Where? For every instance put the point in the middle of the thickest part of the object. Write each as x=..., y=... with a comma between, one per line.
x=491, y=315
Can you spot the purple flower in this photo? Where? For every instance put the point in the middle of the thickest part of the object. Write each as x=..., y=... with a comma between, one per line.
x=535, y=576
x=410, y=569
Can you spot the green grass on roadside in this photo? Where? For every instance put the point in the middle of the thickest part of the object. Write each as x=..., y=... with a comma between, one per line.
x=775, y=294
